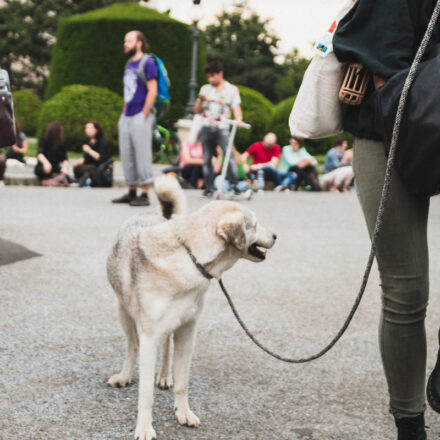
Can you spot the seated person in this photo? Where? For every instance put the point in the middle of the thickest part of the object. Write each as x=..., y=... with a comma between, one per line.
x=265, y=157
x=96, y=153
x=338, y=168
x=2, y=168
x=52, y=162
x=242, y=183
x=297, y=159
x=20, y=148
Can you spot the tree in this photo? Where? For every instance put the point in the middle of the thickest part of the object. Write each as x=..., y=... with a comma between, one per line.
x=245, y=45
x=28, y=30
x=290, y=75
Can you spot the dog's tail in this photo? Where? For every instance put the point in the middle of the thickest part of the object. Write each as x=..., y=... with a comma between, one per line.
x=170, y=194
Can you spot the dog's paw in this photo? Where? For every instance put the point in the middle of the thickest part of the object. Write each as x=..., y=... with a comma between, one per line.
x=118, y=381
x=164, y=382
x=187, y=417
x=144, y=431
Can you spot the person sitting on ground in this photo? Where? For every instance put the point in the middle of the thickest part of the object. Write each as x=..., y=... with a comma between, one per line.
x=52, y=167
x=265, y=157
x=242, y=184
x=96, y=152
x=191, y=164
x=338, y=172
x=20, y=148
x=2, y=168
x=297, y=159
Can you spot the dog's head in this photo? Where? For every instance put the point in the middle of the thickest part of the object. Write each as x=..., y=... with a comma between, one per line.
x=239, y=228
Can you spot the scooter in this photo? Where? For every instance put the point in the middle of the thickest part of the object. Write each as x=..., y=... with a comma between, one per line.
x=221, y=193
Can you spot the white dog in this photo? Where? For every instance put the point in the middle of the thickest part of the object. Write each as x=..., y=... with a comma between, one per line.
x=160, y=271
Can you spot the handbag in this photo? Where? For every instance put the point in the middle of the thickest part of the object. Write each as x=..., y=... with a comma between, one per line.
x=317, y=111
x=7, y=123
x=103, y=175
x=417, y=156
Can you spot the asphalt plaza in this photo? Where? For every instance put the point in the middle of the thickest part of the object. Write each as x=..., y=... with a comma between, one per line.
x=60, y=337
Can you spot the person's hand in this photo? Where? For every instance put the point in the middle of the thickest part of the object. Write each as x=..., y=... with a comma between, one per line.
x=86, y=148
x=16, y=148
x=378, y=81
x=254, y=167
x=240, y=123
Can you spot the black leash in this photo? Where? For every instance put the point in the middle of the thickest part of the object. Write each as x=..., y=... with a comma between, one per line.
x=380, y=213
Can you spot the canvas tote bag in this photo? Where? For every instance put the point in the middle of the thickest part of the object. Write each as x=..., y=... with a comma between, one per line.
x=7, y=125
x=317, y=110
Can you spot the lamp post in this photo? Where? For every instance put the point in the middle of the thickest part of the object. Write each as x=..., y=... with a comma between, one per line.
x=193, y=77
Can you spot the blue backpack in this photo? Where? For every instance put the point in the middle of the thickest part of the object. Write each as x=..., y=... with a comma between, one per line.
x=163, y=82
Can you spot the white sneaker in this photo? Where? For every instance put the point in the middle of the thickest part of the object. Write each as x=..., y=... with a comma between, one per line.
x=2, y=183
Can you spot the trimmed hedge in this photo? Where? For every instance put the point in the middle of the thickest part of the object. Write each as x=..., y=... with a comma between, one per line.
x=256, y=111
x=75, y=105
x=27, y=107
x=279, y=121
x=89, y=50
x=279, y=124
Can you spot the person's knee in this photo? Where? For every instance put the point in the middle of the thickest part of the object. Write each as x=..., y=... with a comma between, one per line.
x=405, y=298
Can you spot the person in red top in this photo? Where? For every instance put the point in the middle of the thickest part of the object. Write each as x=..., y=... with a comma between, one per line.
x=265, y=156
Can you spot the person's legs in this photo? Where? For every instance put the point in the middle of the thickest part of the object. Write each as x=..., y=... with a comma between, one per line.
x=271, y=175
x=2, y=166
x=402, y=255
x=127, y=156
x=222, y=138
x=142, y=139
x=192, y=173
x=208, y=153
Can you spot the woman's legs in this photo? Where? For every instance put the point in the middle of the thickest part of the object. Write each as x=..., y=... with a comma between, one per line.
x=402, y=255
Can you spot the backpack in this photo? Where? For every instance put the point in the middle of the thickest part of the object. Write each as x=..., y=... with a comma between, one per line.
x=163, y=82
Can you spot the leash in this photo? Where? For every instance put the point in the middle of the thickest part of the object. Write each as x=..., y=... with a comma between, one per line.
x=379, y=219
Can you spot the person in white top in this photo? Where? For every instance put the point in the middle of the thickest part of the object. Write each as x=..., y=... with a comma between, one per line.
x=216, y=102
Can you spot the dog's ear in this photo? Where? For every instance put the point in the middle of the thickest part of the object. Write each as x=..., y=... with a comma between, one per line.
x=231, y=229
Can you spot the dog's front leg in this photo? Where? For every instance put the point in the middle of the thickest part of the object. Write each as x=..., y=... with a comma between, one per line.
x=183, y=347
x=165, y=379
x=147, y=359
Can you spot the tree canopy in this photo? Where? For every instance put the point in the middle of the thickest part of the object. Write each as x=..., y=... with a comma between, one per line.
x=247, y=48
x=28, y=30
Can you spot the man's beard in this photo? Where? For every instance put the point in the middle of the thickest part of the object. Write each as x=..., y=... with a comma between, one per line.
x=131, y=52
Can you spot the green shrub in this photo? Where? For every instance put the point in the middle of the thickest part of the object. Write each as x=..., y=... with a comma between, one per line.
x=75, y=105
x=279, y=121
x=27, y=107
x=256, y=111
x=89, y=50
x=279, y=124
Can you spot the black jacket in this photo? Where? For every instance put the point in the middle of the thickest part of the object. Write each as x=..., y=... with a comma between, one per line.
x=382, y=35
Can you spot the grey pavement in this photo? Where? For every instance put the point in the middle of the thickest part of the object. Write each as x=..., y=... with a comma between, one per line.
x=60, y=337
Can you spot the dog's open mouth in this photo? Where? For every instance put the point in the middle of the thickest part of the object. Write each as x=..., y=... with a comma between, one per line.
x=257, y=251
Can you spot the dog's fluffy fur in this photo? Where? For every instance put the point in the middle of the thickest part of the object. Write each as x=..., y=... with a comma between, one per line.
x=161, y=291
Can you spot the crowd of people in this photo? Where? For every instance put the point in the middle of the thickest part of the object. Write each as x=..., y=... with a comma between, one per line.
x=263, y=165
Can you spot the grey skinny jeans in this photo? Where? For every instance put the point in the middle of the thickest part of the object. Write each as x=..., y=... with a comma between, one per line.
x=402, y=256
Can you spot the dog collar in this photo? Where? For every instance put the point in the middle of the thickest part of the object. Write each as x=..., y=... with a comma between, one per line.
x=201, y=269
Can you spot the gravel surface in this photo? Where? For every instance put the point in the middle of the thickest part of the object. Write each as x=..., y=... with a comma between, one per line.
x=60, y=337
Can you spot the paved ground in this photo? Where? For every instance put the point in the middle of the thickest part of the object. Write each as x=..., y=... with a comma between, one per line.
x=60, y=338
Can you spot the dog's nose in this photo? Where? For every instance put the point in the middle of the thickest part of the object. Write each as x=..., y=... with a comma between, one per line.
x=274, y=236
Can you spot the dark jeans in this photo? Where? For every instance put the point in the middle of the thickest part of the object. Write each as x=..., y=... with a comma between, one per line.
x=192, y=173
x=211, y=137
x=272, y=175
x=39, y=171
x=402, y=257
x=307, y=176
x=82, y=170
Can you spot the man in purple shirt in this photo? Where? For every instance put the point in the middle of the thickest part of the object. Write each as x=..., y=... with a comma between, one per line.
x=137, y=121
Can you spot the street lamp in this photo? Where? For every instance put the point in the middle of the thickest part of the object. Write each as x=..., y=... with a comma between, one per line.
x=196, y=16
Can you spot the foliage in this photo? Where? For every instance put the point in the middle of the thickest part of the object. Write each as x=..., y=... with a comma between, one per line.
x=290, y=75
x=75, y=105
x=279, y=124
x=27, y=106
x=246, y=46
x=76, y=61
x=28, y=30
x=256, y=111
x=279, y=121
